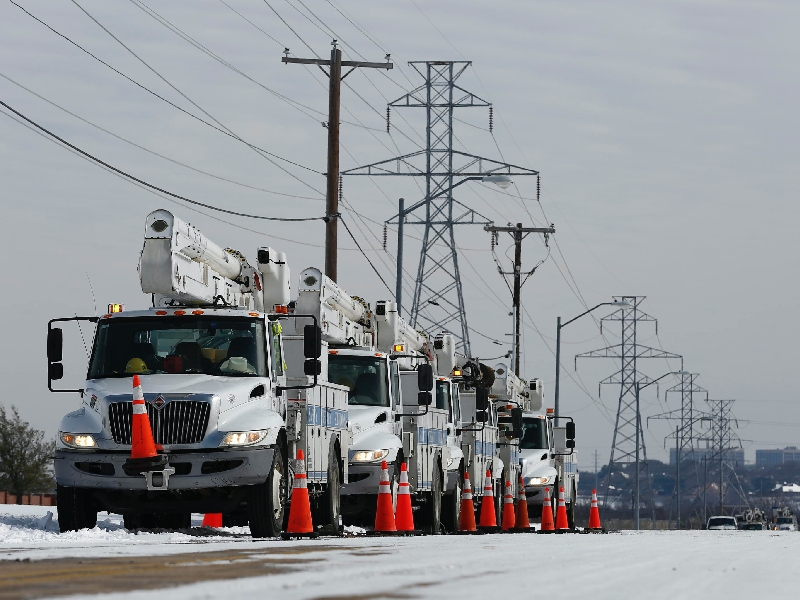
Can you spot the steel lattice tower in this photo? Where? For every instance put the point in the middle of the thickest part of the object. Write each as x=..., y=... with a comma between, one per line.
x=686, y=415
x=438, y=299
x=723, y=441
x=628, y=352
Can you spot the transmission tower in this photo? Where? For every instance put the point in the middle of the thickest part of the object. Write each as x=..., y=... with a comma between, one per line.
x=628, y=352
x=687, y=418
x=438, y=298
x=724, y=442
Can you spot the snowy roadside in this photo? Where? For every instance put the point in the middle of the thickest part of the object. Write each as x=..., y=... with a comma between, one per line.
x=669, y=565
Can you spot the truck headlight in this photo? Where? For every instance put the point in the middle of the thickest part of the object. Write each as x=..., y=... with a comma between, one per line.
x=370, y=455
x=540, y=480
x=243, y=438
x=78, y=440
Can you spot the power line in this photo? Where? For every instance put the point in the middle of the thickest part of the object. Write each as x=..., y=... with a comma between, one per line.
x=162, y=98
x=149, y=185
x=350, y=233
x=153, y=152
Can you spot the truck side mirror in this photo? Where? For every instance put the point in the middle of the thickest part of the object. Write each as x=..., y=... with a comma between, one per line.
x=312, y=341
x=424, y=398
x=481, y=416
x=425, y=378
x=55, y=346
x=481, y=398
x=570, y=443
x=570, y=432
x=516, y=422
x=312, y=366
x=55, y=370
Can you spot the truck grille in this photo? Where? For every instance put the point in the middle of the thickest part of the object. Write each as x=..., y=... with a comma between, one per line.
x=177, y=422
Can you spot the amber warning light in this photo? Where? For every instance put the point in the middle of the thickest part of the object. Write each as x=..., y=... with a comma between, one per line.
x=399, y=347
x=116, y=308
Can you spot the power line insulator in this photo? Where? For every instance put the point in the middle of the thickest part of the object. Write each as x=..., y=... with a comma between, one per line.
x=491, y=119
x=538, y=186
x=340, y=187
x=384, y=236
x=388, y=119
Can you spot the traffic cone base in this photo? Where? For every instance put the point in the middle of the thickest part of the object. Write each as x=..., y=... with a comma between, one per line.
x=300, y=524
x=547, y=514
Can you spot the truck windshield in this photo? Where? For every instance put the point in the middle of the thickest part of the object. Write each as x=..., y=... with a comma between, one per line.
x=784, y=520
x=365, y=376
x=228, y=346
x=534, y=434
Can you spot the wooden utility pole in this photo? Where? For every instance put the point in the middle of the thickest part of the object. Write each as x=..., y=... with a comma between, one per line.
x=334, y=73
x=517, y=233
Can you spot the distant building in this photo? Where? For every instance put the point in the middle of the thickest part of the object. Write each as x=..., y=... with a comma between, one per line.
x=773, y=458
x=697, y=454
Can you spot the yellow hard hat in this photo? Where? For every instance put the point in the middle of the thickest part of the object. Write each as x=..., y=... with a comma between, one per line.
x=136, y=365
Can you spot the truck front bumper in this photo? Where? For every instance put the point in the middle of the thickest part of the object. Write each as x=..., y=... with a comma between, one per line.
x=364, y=478
x=193, y=470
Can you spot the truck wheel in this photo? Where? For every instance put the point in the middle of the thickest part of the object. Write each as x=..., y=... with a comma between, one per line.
x=571, y=510
x=451, y=511
x=329, y=505
x=76, y=509
x=433, y=508
x=267, y=503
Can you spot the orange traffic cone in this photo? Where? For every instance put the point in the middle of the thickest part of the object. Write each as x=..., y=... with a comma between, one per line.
x=212, y=520
x=522, y=522
x=547, y=513
x=562, y=522
x=466, y=519
x=143, y=449
x=594, y=514
x=509, y=517
x=384, y=515
x=404, y=517
x=488, y=516
x=300, y=524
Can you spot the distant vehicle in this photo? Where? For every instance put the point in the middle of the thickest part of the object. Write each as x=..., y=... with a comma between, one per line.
x=786, y=523
x=722, y=523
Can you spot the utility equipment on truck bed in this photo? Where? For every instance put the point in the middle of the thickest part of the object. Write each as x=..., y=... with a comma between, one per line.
x=230, y=398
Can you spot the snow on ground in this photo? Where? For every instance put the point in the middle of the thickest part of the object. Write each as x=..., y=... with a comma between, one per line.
x=669, y=565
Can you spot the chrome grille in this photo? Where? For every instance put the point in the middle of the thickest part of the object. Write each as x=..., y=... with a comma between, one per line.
x=177, y=422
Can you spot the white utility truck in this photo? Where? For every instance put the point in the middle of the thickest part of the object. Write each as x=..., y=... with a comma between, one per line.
x=385, y=366
x=228, y=395
x=548, y=458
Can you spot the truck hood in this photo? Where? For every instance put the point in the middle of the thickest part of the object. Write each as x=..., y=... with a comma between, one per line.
x=369, y=435
x=232, y=391
x=536, y=463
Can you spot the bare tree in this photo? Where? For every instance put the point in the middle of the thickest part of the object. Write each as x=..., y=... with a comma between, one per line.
x=25, y=458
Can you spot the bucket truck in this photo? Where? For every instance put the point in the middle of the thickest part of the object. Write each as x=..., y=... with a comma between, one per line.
x=230, y=398
x=386, y=367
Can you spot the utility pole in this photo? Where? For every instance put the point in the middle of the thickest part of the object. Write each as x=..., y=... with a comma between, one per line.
x=335, y=76
x=595, y=469
x=677, y=479
x=398, y=292
x=517, y=233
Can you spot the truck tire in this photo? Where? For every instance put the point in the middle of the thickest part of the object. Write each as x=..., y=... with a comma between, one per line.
x=451, y=511
x=268, y=500
x=329, y=504
x=432, y=512
x=76, y=509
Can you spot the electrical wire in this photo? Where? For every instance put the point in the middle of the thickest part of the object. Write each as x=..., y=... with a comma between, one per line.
x=153, y=152
x=160, y=97
x=149, y=185
x=350, y=233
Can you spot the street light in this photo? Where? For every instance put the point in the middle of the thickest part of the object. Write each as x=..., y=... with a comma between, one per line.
x=639, y=388
x=501, y=181
x=559, y=327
